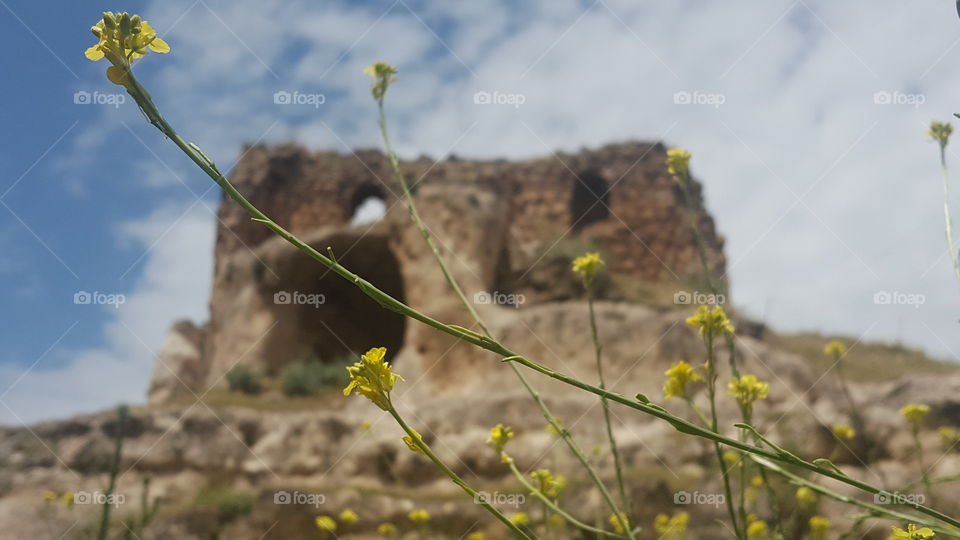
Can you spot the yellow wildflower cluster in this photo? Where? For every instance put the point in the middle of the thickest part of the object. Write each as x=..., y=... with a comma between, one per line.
x=671, y=526
x=835, y=348
x=620, y=523
x=51, y=497
x=678, y=376
x=326, y=523
x=420, y=517
x=678, y=163
x=844, y=432
x=373, y=378
x=587, y=266
x=748, y=389
x=411, y=444
x=940, y=132
x=548, y=484
x=948, y=437
x=123, y=39
x=819, y=527
x=914, y=413
x=478, y=535
x=711, y=322
x=499, y=436
x=387, y=530
x=912, y=533
x=806, y=497
x=757, y=529
x=520, y=519
x=349, y=517
x=383, y=74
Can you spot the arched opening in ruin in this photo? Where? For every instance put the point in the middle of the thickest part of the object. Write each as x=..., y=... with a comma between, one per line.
x=588, y=203
x=322, y=316
x=367, y=205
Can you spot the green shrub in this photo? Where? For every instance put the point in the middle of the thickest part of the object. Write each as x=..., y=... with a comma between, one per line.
x=307, y=377
x=241, y=378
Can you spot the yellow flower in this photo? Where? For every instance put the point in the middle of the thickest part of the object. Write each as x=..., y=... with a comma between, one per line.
x=806, y=496
x=620, y=522
x=411, y=444
x=587, y=266
x=940, y=132
x=835, y=348
x=387, y=529
x=384, y=74
x=948, y=436
x=677, y=378
x=551, y=429
x=671, y=527
x=710, y=323
x=520, y=519
x=373, y=378
x=756, y=481
x=476, y=536
x=914, y=413
x=68, y=498
x=420, y=517
x=844, y=432
x=757, y=529
x=548, y=484
x=731, y=457
x=819, y=526
x=349, y=517
x=366, y=425
x=49, y=496
x=499, y=436
x=678, y=162
x=122, y=39
x=748, y=389
x=326, y=523
x=912, y=533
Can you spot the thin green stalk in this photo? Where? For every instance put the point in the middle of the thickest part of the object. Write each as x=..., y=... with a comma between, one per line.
x=454, y=477
x=455, y=285
x=915, y=431
x=738, y=525
x=598, y=351
x=114, y=471
x=554, y=506
x=193, y=152
x=954, y=255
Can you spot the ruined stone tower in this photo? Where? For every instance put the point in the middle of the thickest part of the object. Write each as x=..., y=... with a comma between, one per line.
x=508, y=230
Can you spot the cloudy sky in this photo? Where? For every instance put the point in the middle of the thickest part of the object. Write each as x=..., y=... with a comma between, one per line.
x=806, y=120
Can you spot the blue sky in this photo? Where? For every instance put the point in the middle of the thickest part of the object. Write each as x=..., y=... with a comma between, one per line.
x=806, y=120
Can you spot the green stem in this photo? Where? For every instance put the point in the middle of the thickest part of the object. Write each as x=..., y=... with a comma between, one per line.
x=415, y=437
x=954, y=255
x=146, y=104
x=114, y=471
x=738, y=525
x=915, y=430
x=428, y=238
x=598, y=351
x=555, y=507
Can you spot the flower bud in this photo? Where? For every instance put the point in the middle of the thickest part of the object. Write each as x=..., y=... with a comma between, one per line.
x=125, y=24
x=109, y=21
x=96, y=31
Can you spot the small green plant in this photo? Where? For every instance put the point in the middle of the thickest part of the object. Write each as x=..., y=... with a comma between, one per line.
x=241, y=378
x=309, y=376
